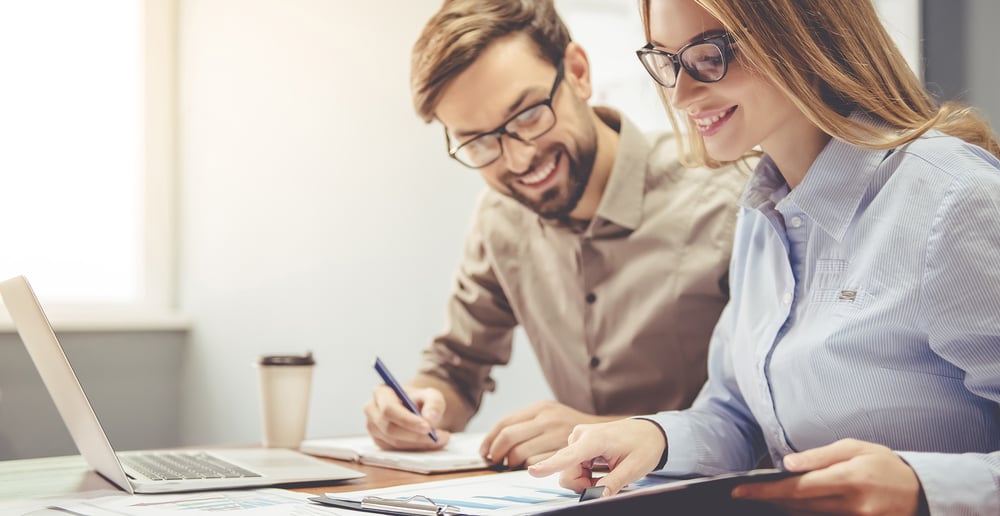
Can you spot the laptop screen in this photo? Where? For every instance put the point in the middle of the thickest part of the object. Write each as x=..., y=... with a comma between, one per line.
x=60, y=380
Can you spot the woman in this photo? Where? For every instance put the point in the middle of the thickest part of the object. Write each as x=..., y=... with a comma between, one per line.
x=861, y=343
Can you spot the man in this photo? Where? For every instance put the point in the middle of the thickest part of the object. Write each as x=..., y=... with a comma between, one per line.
x=610, y=255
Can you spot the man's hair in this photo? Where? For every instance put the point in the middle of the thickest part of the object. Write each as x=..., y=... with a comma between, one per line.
x=832, y=58
x=457, y=35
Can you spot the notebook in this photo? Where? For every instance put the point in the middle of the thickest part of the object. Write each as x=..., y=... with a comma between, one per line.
x=461, y=453
x=144, y=471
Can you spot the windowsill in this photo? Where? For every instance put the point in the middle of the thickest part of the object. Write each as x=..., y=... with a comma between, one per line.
x=124, y=321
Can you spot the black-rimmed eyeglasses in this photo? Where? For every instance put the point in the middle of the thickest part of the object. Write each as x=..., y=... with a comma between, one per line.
x=528, y=124
x=705, y=60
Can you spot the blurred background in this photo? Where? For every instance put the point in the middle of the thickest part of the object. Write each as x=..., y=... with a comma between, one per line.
x=191, y=183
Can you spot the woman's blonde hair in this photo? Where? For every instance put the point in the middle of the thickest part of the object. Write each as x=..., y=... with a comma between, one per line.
x=832, y=58
x=461, y=29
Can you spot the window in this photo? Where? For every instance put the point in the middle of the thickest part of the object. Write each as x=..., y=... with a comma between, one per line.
x=87, y=166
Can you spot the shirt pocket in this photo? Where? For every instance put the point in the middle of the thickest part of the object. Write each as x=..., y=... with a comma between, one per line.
x=834, y=289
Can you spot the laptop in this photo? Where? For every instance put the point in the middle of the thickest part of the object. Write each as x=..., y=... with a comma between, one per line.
x=153, y=471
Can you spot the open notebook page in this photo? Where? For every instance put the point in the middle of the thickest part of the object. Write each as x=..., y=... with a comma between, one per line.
x=461, y=453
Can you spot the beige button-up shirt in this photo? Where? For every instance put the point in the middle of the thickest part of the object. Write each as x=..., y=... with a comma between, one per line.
x=619, y=311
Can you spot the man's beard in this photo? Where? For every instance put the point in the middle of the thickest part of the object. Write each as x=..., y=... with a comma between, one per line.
x=558, y=202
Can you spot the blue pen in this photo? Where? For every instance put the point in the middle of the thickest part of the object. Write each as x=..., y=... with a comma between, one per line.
x=389, y=380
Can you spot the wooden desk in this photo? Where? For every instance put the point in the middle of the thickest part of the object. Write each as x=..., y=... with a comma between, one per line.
x=55, y=476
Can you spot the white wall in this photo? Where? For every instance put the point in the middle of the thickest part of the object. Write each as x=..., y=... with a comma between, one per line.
x=902, y=19
x=317, y=211
x=130, y=378
x=610, y=31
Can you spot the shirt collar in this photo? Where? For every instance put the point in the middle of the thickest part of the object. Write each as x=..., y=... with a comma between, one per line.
x=832, y=189
x=765, y=187
x=620, y=208
x=621, y=204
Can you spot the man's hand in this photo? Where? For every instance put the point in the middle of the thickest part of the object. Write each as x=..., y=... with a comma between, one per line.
x=534, y=433
x=393, y=427
x=630, y=447
x=846, y=477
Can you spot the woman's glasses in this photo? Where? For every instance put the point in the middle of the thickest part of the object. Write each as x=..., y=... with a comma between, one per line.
x=705, y=60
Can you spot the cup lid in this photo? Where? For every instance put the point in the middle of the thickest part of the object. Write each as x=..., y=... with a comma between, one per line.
x=280, y=360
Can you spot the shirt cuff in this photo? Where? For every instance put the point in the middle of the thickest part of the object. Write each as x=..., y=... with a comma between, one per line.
x=681, y=443
x=955, y=483
x=666, y=444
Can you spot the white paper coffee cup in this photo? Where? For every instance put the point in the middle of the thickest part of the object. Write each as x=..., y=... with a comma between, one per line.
x=285, y=385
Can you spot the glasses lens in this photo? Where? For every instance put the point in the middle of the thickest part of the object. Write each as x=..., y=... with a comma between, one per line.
x=660, y=67
x=526, y=126
x=704, y=62
x=479, y=151
x=532, y=122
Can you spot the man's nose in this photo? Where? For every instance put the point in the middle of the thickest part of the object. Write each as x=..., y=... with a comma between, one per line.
x=517, y=154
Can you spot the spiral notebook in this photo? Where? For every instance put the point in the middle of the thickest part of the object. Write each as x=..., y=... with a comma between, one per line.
x=461, y=453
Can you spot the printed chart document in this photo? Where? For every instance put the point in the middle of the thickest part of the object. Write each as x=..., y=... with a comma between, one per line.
x=461, y=454
x=511, y=493
x=518, y=493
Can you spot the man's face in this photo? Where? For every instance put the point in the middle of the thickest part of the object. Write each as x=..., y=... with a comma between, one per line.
x=549, y=173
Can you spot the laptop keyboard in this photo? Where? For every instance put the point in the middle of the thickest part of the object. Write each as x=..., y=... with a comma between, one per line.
x=183, y=466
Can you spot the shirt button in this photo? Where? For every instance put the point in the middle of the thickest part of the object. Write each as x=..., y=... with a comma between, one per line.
x=594, y=362
x=787, y=298
x=591, y=298
x=796, y=222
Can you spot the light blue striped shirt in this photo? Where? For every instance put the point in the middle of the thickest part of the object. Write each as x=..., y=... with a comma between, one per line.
x=865, y=304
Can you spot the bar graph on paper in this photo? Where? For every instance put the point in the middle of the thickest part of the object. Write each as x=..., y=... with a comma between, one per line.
x=505, y=493
x=494, y=495
x=507, y=497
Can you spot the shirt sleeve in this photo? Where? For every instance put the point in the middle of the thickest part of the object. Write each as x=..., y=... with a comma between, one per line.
x=961, y=303
x=718, y=434
x=479, y=324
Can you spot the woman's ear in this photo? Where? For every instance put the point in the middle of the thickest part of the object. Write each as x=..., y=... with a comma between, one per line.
x=576, y=66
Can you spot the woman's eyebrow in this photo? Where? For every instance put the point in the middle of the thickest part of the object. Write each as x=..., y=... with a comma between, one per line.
x=703, y=35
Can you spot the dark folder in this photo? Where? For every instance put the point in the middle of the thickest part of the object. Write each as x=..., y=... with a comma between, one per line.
x=707, y=495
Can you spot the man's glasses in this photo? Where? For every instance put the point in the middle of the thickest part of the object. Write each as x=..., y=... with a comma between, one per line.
x=705, y=60
x=527, y=125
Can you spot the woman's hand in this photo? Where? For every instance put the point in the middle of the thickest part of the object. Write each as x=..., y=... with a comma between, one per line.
x=846, y=477
x=630, y=447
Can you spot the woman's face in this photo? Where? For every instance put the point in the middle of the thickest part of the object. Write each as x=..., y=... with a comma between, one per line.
x=733, y=115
